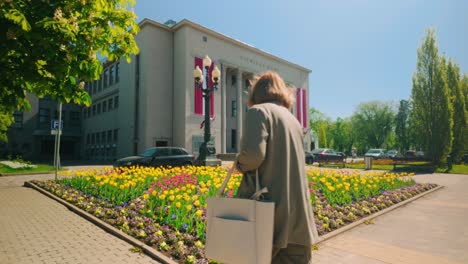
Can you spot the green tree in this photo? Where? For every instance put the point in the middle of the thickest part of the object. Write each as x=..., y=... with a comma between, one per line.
x=459, y=110
x=320, y=123
x=342, y=135
x=432, y=113
x=6, y=120
x=373, y=122
x=464, y=88
x=50, y=47
x=401, y=126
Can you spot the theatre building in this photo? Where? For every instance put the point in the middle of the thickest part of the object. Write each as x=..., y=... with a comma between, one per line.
x=153, y=101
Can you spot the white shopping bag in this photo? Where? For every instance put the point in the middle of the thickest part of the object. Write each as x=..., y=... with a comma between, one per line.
x=239, y=231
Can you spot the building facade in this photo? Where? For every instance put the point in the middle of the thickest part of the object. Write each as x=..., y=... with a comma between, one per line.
x=30, y=135
x=153, y=101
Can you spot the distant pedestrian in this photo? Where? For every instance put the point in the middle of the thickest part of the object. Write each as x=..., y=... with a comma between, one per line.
x=272, y=143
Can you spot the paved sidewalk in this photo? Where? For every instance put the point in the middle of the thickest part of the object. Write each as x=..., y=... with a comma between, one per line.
x=432, y=229
x=37, y=229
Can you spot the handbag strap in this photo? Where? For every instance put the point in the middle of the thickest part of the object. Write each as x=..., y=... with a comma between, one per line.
x=258, y=192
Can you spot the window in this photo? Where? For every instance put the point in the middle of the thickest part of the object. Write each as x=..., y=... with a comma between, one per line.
x=103, y=137
x=116, y=135
x=109, y=136
x=98, y=108
x=176, y=151
x=85, y=111
x=96, y=84
x=205, y=39
x=94, y=87
x=233, y=108
x=89, y=112
x=100, y=83
x=163, y=152
x=110, y=103
x=104, y=106
x=161, y=143
x=44, y=116
x=233, y=80
x=233, y=138
x=56, y=114
x=106, y=77
x=88, y=139
x=116, y=102
x=117, y=72
x=18, y=117
x=111, y=75
x=74, y=118
x=94, y=110
x=93, y=138
x=98, y=138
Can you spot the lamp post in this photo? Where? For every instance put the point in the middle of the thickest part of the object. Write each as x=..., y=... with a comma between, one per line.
x=207, y=150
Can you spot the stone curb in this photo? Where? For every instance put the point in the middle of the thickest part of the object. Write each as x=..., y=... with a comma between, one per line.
x=151, y=252
x=25, y=174
x=375, y=215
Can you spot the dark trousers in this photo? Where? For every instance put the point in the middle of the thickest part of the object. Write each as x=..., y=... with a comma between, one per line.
x=295, y=254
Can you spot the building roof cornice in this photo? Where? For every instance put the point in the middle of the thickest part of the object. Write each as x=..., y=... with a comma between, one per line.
x=186, y=22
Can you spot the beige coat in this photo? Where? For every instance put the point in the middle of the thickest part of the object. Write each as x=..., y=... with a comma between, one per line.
x=272, y=142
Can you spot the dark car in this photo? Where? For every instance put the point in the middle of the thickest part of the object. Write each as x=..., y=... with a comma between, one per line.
x=309, y=158
x=325, y=155
x=159, y=156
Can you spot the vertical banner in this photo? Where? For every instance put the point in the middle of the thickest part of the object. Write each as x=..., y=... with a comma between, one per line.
x=299, y=105
x=304, y=108
x=210, y=83
x=198, y=93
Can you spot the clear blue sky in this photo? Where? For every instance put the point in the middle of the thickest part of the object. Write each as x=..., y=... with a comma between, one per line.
x=358, y=50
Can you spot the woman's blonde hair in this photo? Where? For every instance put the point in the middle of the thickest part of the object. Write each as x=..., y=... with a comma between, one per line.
x=270, y=87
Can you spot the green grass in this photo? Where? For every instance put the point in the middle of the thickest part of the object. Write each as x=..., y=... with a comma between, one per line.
x=456, y=169
x=40, y=168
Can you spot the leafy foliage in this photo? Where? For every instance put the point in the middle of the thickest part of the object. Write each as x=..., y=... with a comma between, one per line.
x=51, y=47
x=374, y=122
x=320, y=123
x=5, y=121
x=401, y=125
x=432, y=113
x=459, y=116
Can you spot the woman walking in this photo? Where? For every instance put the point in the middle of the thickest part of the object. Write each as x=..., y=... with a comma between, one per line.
x=272, y=143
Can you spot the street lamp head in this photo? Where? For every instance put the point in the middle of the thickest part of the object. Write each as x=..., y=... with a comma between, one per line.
x=215, y=74
x=206, y=62
x=198, y=74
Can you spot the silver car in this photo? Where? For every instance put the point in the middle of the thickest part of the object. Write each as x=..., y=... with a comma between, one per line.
x=376, y=153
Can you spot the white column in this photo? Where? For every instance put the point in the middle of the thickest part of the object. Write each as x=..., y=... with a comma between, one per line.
x=223, y=107
x=239, y=108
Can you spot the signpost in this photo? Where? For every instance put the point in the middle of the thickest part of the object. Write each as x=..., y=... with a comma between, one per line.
x=56, y=127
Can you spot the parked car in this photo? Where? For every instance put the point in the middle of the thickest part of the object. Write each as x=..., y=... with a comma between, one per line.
x=415, y=154
x=159, y=156
x=325, y=155
x=376, y=153
x=392, y=153
x=309, y=158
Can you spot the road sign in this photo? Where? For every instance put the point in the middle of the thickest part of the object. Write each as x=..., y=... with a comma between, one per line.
x=54, y=124
x=54, y=132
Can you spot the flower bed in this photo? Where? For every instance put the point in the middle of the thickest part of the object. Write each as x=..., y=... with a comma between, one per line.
x=165, y=208
x=17, y=164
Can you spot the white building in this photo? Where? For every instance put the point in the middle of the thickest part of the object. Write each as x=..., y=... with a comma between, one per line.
x=153, y=100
